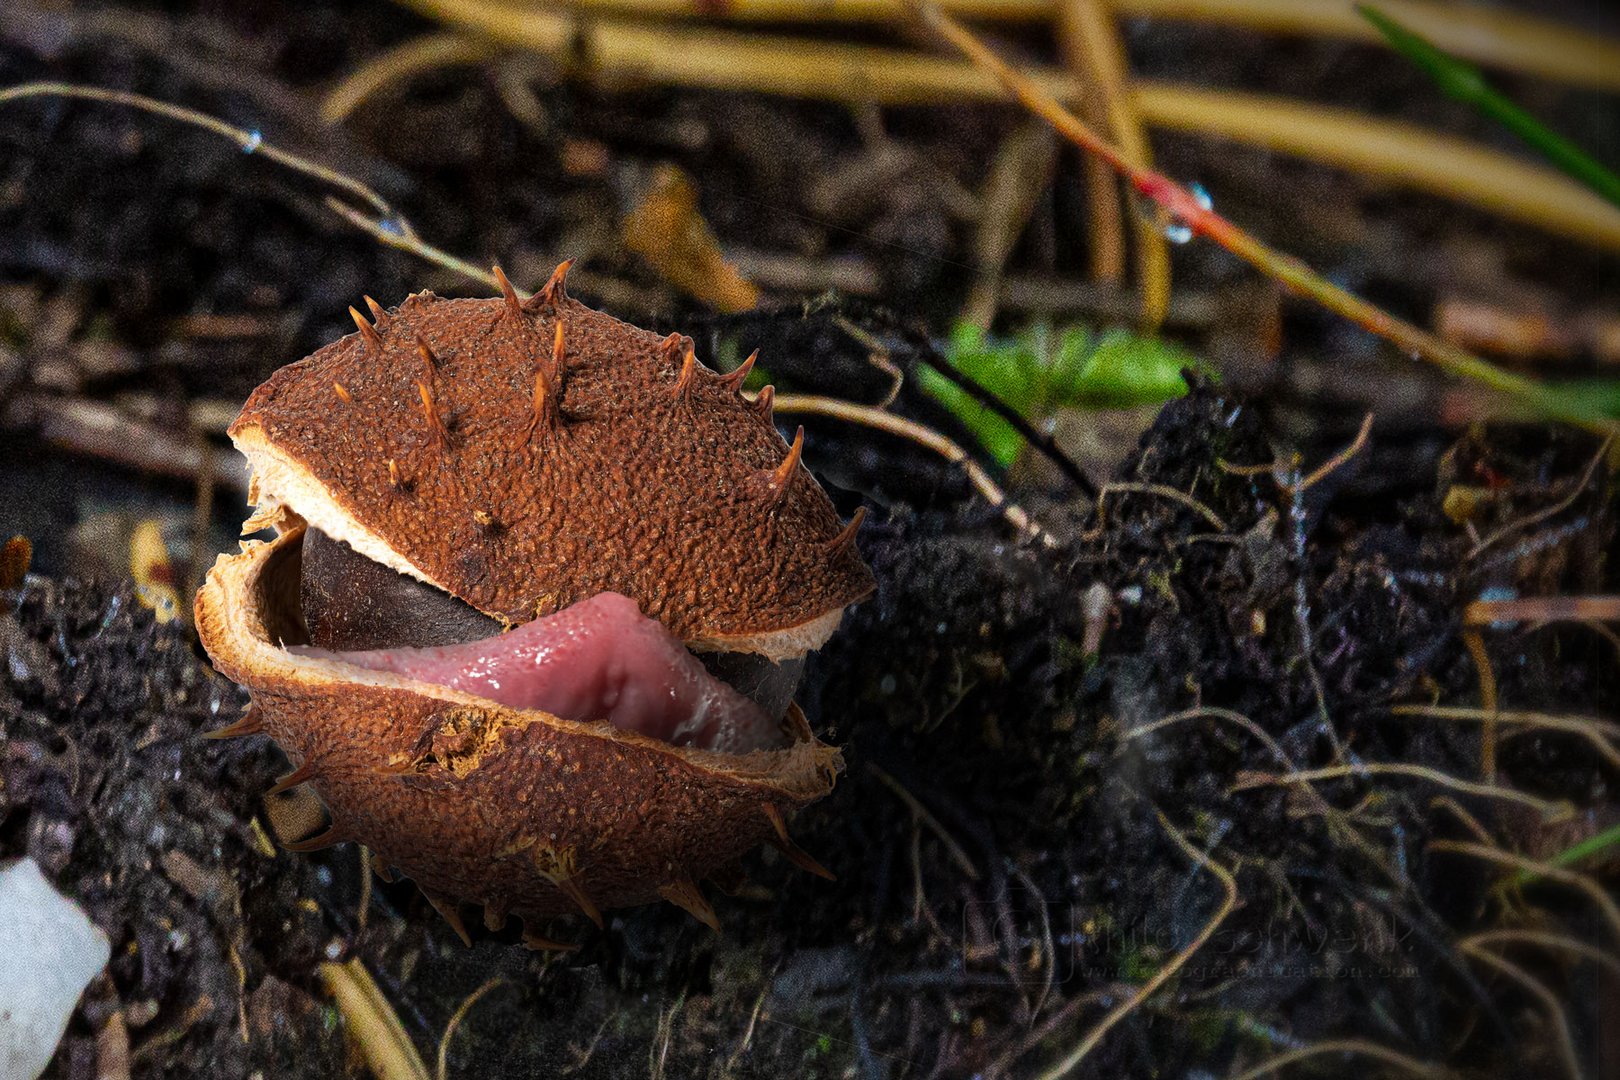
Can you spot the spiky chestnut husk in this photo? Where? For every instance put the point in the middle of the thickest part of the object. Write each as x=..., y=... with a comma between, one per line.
x=521, y=456
x=518, y=810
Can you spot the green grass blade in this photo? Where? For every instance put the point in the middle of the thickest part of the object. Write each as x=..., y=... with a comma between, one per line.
x=1464, y=82
x=1042, y=369
x=1575, y=853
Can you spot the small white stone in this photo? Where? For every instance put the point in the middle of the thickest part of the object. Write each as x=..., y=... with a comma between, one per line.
x=49, y=952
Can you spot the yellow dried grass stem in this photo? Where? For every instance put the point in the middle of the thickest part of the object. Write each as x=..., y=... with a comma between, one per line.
x=1475, y=644
x=426, y=53
x=801, y=11
x=1400, y=153
x=1488, y=35
x=622, y=51
x=1088, y=36
x=372, y=1022
x=1540, y=610
x=1105, y=218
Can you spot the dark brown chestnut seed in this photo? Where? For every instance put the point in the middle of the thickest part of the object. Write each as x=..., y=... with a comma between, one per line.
x=351, y=602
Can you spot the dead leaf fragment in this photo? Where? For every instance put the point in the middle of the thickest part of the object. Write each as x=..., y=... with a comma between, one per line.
x=667, y=230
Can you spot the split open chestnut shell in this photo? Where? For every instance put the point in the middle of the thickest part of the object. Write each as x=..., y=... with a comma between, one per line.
x=520, y=456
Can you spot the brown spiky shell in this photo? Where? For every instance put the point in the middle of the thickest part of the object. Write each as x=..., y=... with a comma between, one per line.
x=523, y=455
x=517, y=810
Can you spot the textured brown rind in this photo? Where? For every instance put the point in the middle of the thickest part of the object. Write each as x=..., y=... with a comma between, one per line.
x=518, y=810
x=441, y=459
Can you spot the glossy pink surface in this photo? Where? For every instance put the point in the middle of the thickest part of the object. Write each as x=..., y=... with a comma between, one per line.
x=600, y=659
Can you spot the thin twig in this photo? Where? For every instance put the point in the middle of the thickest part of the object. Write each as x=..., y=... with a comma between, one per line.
x=748, y=1032
x=1048, y=948
x=250, y=142
x=1600, y=896
x=1481, y=834
x=383, y=229
x=1548, y=809
x=1214, y=713
x=1547, y=940
x=1360, y=1047
x=1044, y=1030
x=1290, y=271
x=1339, y=459
x=1162, y=491
x=1607, y=634
x=427, y=52
x=658, y=1055
x=1072, y=1059
x=877, y=354
x=924, y=436
x=1278, y=469
x=922, y=814
x=1538, y=990
x=455, y=1021
x=1335, y=817
x=583, y=1055
x=1595, y=731
x=385, y=224
x=1546, y=512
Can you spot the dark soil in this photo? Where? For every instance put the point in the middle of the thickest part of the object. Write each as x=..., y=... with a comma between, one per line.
x=1006, y=834
x=105, y=783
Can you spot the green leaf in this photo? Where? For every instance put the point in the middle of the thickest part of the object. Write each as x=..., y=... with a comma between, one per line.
x=1597, y=399
x=1035, y=375
x=1124, y=370
x=1463, y=82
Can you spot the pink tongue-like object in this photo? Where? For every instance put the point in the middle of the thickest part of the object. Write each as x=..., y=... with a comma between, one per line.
x=598, y=659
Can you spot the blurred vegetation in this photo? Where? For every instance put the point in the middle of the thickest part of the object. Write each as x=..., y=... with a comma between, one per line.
x=1464, y=83
x=1042, y=369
